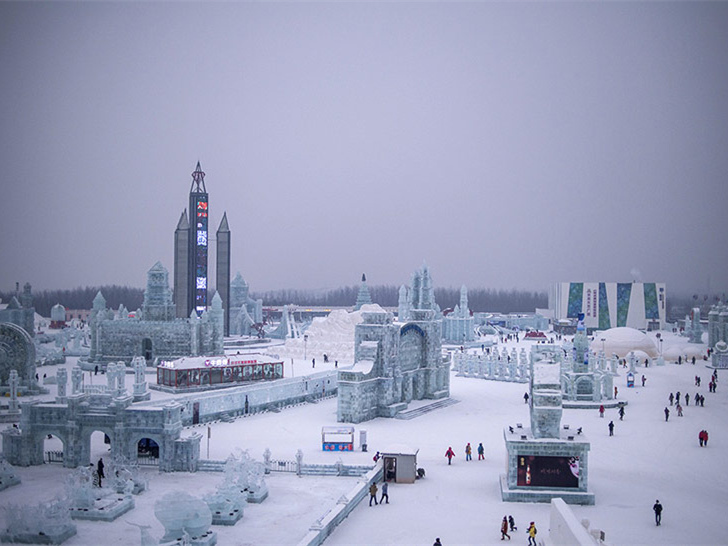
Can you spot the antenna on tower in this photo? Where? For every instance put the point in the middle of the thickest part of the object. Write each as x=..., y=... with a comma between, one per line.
x=198, y=180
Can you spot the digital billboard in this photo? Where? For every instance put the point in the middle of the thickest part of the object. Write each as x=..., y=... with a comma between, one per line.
x=542, y=471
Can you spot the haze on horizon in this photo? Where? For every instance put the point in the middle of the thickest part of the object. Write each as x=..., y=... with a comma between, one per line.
x=508, y=145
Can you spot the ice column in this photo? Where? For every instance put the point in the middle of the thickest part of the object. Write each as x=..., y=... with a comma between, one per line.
x=13, y=405
x=120, y=379
x=76, y=380
x=140, y=384
x=62, y=380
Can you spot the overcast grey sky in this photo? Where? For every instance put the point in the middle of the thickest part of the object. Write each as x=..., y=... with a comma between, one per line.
x=510, y=145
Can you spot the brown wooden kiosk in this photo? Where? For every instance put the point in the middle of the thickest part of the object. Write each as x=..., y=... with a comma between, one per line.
x=400, y=463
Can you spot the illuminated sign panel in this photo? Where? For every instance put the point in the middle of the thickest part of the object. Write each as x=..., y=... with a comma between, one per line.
x=199, y=241
x=543, y=471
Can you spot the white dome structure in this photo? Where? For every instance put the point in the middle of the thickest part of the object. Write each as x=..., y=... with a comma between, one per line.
x=686, y=351
x=622, y=341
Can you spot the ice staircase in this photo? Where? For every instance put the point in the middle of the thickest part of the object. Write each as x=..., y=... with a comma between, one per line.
x=416, y=412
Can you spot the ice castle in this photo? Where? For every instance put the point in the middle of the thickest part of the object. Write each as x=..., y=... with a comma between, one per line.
x=458, y=326
x=154, y=331
x=396, y=362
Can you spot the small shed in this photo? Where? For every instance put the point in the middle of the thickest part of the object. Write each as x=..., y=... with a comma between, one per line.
x=400, y=463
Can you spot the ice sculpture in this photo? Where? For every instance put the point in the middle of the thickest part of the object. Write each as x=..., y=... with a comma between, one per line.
x=180, y=513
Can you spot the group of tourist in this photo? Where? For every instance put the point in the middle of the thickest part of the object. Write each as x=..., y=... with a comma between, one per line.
x=509, y=522
x=699, y=401
x=468, y=453
x=373, y=493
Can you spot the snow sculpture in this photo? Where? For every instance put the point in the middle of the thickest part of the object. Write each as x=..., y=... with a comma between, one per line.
x=632, y=359
x=180, y=513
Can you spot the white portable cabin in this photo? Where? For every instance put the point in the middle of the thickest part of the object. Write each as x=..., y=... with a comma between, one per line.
x=400, y=463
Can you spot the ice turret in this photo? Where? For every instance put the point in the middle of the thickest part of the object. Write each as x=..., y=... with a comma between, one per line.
x=363, y=297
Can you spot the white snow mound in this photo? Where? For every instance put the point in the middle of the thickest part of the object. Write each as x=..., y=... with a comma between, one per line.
x=621, y=341
x=332, y=335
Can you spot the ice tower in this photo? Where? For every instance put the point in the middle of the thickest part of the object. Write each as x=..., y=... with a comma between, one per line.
x=190, y=251
x=222, y=269
x=458, y=326
x=363, y=297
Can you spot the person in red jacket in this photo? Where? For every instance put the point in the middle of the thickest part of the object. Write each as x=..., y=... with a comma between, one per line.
x=449, y=454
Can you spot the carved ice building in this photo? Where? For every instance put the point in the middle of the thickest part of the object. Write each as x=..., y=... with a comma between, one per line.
x=585, y=376
x=396, y=362
x=154, y=332
x=73, y=418
x=244, y=310
x=20, y=310
x=458, y=326
x=717, y=324
x=17, y=356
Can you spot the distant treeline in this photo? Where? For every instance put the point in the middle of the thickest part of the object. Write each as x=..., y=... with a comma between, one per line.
x=502, y=301
x=82, y=298
x=479, y=299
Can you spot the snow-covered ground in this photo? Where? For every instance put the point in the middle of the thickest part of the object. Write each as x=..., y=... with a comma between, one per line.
x=647, y=459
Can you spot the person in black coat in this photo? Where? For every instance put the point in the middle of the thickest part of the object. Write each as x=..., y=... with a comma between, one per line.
x=657, y=507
